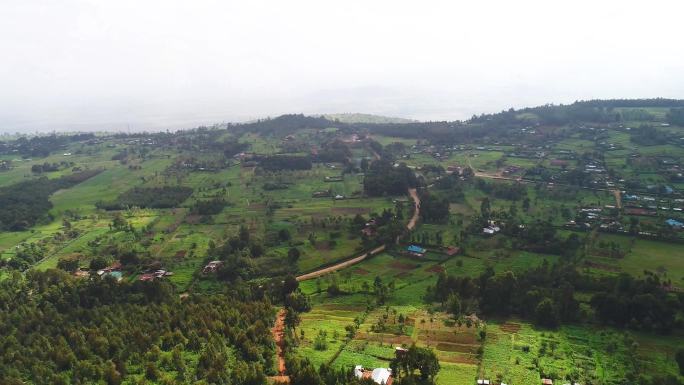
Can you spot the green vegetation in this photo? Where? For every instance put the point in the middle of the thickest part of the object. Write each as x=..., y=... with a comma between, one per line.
x=551, y=235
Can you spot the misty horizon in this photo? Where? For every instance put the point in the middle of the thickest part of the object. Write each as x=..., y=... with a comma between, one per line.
x=89, y=66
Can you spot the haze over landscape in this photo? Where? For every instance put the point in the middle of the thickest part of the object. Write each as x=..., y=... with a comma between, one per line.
x=91, y=65
x=305, y=192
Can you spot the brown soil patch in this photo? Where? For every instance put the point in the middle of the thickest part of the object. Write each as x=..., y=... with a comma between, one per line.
x=180, y=253
x=460, y=348
x=402, y=266
x=193, y=219
x=403, y=274
x=601, y=266
x=447, y=336
x=337, y=306
x=322, y=245
x=435, y=269
x=349, y=210
x=460, y=359
x=361, y=271
x=509, y=327
x=385, y=338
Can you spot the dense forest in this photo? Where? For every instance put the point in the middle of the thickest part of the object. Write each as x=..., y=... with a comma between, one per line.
x=546, y=294
x=25, y=203
x=383, y=178
x=149, y=197
x=60, y=330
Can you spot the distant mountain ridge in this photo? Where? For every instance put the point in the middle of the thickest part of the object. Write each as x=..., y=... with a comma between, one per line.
x=353, y=118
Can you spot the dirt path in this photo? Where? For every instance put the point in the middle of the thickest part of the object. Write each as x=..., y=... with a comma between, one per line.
x=618, y=198
x=416, y=213
x=340, y=265
x=278, y=332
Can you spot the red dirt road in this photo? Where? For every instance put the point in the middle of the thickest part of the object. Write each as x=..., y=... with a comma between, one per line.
x=278, y=332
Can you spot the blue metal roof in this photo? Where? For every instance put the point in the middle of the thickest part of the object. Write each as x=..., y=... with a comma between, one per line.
x=415, y=249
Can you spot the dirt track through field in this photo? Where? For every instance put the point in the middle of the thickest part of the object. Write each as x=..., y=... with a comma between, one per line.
x=278, y=332
x=618, y=198
x=340, y=265
x=410, y=226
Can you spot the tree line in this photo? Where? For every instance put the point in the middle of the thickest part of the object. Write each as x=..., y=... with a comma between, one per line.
x=546, y=295
x=62, y=330
x=148, y=197
x=24, y=204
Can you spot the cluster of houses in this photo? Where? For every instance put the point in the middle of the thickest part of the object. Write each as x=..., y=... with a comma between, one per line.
x=212, y=267
x=544, y=381
x=491, y=229
x=589, y=217
x=152, y=275
x=113, y=270
x=652, y=204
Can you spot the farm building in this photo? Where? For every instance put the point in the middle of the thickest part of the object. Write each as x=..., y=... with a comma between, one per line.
x=674, y=223
x=382, y=376
x=491, y=229
x=452, y=250
x=482, y=382
x=547, y=381
x=416, y=250
x=151, y=276
x=212, y=267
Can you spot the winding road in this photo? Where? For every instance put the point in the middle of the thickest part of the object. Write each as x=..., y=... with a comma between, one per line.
x=410, y=226
x=278, y=329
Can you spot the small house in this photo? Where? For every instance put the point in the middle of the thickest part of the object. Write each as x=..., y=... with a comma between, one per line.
x=416, y=250
x=452, y=250
x=482, y=382
x=368, y=231
x=547, y=381
x=381, y=376
x=674, y=223
x=212, y=267
x=491, y=229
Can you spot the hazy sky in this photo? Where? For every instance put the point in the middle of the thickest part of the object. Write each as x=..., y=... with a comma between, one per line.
x=110, y=64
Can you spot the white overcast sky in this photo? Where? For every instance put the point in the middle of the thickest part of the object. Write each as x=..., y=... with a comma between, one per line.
x=145, y=64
